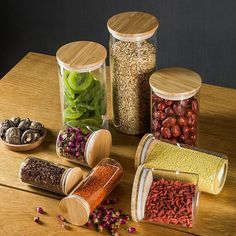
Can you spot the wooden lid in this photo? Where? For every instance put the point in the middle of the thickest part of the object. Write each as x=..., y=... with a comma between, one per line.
x=98, y=146
x=132, y=25
x=139, y=151
x=175, y=83
x=141, y=186
x=75, y=210
x=82, y=56
x=72, y=179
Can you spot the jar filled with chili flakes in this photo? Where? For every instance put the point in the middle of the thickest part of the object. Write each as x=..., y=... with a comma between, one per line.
x=175, y=105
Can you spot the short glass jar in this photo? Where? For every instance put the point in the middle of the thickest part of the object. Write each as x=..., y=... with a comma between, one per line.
x=98, y=184
x=175, y=105
x=165, y=197
x=132, y=60
x=82, y=76
x=83, y=146
x=49, y=176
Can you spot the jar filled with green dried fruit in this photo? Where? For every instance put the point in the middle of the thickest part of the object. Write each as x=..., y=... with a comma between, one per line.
x=82, y=72
x=175, y=105
x=132, y=61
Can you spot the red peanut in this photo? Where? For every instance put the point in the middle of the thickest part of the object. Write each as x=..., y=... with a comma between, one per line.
x=175, y=131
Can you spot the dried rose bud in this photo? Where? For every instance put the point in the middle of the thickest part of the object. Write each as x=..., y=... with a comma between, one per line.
x=36, y=219
x=131, y=229
x=40, y=210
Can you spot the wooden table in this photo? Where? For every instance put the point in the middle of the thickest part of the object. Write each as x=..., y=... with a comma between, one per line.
x=31, y=89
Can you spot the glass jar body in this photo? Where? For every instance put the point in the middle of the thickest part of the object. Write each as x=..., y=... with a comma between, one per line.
x=83, y=97
x=131, y=63
x=165, y=197
x=175, y=120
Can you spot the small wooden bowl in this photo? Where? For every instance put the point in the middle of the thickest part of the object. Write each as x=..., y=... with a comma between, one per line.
x=24, y=147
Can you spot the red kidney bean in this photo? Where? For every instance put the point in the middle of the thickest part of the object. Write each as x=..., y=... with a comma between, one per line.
x=156, y=98
x=184, y=103
x=175, y=131
x=156, y=124
x=168, y=122
x=193, y=130
x=165, y=132
x=182, y=121
x=161, y=106
x=157, y=134
x=194, y=105
x=169, y=111
x=170, y=202
x=168, y=102
x=178, y=109
x=183, y=137
x=159, y=115
x=186, y=130
x=192, y=120
x=189, y=113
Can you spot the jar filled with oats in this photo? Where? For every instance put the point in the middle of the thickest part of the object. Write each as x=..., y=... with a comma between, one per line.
x=132, y=61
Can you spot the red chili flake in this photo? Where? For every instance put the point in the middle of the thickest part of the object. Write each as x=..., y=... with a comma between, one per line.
x=170, y=202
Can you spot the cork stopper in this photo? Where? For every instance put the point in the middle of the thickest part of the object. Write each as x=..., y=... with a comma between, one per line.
x=75, y=210
x=175, y=83
x=82, y=56
x=73, y=177
x=98, y=147
x=132, y=26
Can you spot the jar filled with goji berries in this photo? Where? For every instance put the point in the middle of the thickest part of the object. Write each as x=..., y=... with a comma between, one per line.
x=133, y=52
x=83, y=146
x=165, y=197
x=98, y=184
x=175, y=105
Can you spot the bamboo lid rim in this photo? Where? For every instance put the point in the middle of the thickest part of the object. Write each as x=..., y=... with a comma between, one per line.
x=122, y=26
x=75, y=210
x=175, y=83
x=98, y=147
x=81, y=56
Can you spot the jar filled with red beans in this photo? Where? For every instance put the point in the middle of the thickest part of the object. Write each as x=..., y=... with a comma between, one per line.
x=165, y=197
x=175, y=105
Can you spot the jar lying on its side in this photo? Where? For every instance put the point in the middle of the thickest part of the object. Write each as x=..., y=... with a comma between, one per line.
x=132, y=61
x=165, y=197
x=175, y=105
x=82, y=146
x=98, y=184
x=49, y=176
x=82, y=76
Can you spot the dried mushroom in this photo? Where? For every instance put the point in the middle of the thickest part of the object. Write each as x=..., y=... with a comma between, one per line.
x=27, y=136
x=4, y=126
x=24, y=124
x=16, y=121
x=13, y=135
x=36, y=125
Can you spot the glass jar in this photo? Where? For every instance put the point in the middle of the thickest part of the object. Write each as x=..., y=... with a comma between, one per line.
x=211, y=167
x=91, y=191
x=132, y=60
x=82, y=146
x=165, y=197
x=175, y=105
x=49, y=176
x=82, y=73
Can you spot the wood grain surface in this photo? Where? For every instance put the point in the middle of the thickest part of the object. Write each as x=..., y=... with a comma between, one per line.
x=31, y=90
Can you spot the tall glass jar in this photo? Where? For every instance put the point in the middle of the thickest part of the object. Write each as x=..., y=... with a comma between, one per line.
x=175, y=105
x=132, y=60
x=82, y=72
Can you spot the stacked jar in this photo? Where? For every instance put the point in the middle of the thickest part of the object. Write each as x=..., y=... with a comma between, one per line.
x=82, y=73
x=175, y=105
x=132, y=61
x=165, y=197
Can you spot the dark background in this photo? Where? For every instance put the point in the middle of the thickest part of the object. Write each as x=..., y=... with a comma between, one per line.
x=195, y=34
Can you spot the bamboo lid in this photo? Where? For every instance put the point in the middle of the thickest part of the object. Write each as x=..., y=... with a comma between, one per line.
x=82, y=56
x=98, y=146
x=175, y=83
x=74, y=176
x=75, y=210
x=132, y=25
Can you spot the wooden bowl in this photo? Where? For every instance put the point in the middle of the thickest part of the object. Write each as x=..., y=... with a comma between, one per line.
x=24, y=147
